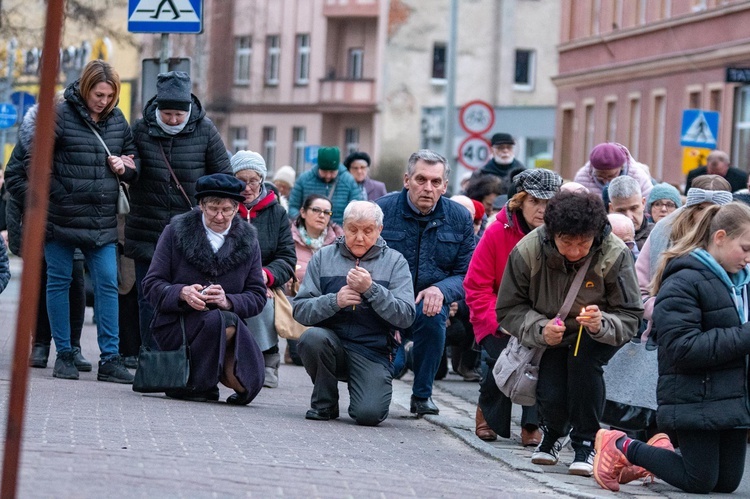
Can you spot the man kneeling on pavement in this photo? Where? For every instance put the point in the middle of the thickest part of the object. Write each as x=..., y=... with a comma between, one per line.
x=355, y=294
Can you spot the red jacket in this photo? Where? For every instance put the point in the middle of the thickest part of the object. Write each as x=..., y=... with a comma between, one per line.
x=486, y=271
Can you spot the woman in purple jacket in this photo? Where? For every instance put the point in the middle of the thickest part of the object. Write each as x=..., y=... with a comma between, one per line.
x=206, y=271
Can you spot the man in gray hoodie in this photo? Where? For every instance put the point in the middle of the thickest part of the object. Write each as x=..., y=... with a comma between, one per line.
x=355, y=294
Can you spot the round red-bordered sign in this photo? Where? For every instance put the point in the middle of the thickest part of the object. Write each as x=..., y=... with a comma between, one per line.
x=474, y=152
x=476, y=117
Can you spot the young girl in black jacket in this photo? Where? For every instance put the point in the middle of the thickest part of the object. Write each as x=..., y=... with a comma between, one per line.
x=701, y=326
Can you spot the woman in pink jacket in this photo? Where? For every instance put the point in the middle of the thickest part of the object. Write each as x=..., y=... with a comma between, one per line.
x=311, y=230
x=608, y=161
x=523, y=213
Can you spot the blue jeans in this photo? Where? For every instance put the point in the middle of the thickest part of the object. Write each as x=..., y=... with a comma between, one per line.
x=145, y=310
x=428, y=334
x=102, y=263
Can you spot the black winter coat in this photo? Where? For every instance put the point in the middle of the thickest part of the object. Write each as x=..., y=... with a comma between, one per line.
x=83, y=189
x=275, y=239
x=703, y=349
x=154, y=199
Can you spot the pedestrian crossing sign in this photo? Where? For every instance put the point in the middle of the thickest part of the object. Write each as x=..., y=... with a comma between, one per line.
x=165, y=16
x=699, y=128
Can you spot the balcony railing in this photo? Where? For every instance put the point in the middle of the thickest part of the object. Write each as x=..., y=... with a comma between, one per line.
x=347, y=92
x=351, y=8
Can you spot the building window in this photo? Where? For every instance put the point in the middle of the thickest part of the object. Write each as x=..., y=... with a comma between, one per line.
x=351, y=139
x=238, y=137
x=588, y=137
x=634, y=131
x=269, y=146
x=741, y=142
x=356, y=64
x=299, y=142
x=302, y=62
x=439, y=54
x=714, y=98
x=694, y=100
x=273, y=52
x=611, y=121
x=243, y=49
x=657, y=146
x=524, y=77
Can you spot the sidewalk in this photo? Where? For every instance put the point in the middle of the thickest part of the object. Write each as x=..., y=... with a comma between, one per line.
x=91, y=439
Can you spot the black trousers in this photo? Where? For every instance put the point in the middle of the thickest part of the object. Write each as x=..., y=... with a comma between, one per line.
x=711, y=461
x=570, y=392
x=130, y=331
x=77, y=294
x=495, y=406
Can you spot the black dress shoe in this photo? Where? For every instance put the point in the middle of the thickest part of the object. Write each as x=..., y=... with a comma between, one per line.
x=323, y=414
x=39, y=356
x=238, y=398
x=420, y=407
x=194, y=396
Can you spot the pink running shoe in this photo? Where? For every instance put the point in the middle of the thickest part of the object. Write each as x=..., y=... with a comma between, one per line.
x=633, y=472
x=608, y=460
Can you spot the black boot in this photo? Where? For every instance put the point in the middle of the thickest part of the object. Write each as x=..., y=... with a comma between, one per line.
x=39, y=355
x=80, y=361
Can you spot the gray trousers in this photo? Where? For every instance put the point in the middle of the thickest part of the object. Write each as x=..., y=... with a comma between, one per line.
x=328, y=362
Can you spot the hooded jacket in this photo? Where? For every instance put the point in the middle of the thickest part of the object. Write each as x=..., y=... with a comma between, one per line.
x=388, y=305
x=703, y=349
x=195, y=151
x=537, y=278
x=341, y=191
x=83, y=189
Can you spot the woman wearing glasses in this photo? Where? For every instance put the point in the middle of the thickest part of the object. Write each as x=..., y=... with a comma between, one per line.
x=262, y=209
x=204, y=280
x=663, y=200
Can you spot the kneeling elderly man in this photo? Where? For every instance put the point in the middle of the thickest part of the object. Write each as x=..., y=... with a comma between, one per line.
x=355, y=293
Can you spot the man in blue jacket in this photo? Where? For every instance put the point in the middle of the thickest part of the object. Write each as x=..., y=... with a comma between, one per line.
x=436, y=236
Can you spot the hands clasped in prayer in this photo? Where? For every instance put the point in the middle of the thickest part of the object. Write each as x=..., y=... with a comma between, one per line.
x=358, y=280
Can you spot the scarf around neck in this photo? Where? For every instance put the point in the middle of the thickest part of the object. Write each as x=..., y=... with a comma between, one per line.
x=172, y=129
x=736, y=283
x=314, y=243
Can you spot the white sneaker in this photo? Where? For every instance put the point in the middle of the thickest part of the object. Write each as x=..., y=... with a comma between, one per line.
x=583, y=462
x=548, y=451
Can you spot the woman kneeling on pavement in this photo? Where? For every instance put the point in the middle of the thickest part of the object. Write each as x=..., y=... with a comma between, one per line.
x=206, y=270
x=701, y=327
x=605, y=314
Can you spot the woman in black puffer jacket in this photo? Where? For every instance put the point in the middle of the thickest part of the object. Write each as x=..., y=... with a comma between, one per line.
x=174, y=128
x=702, y=329
x=83, y=211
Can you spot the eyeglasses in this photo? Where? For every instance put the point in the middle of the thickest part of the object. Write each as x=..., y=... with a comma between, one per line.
x=212, y=212
x=664, y=204
x=318, y=211
x=253, y=183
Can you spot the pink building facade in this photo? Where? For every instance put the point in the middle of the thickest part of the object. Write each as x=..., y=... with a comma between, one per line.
x=628, y=69
x=284, y=75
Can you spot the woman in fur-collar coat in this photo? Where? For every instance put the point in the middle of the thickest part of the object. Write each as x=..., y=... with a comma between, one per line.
x=207, y=269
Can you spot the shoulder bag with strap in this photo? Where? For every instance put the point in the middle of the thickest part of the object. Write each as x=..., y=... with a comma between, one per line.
x=174, y=177
x=123, y=200
x=163, y=370
x=516, y=371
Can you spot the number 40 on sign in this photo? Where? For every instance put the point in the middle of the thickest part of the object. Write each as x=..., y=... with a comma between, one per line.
x=474, y=152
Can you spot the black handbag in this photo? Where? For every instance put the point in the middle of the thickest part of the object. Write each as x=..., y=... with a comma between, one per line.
x=159, y=371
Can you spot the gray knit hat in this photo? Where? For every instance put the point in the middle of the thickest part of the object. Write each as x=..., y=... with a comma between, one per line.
x=249, y=160
x=173, y=91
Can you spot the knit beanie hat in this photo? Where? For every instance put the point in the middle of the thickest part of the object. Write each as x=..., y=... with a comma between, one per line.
x=173, y=91
x=249, y=160
x=663, y=191
x=607, y=156
x=328, y=158
x=285, y=174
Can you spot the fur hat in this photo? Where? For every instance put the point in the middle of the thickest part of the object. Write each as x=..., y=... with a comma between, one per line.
x=607, y=156
x=354, y=157
x=173, y=91
x=220, y=185
x=663, y=191
x=249, y=160
x=328, y=158
x=285, y=174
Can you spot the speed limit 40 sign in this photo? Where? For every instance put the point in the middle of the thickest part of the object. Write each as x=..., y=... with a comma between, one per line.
x=474, y=152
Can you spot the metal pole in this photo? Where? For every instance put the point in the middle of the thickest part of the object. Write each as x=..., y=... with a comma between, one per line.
x=164, y=57
x=7, y=90
x=34, y=222
x=450, y=96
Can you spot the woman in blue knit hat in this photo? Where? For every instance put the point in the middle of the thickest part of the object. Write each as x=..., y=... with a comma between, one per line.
x=663, y=200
